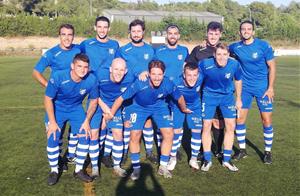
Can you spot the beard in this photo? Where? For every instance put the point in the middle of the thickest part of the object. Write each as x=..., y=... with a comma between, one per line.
x=172, y=43
x=105, y=36
x=136, y=41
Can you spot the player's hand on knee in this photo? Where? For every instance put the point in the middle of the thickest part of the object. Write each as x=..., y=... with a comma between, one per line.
x=187, y=111
x=270, y=94
x=238, y=104
x=86, y=128
x=51, y=129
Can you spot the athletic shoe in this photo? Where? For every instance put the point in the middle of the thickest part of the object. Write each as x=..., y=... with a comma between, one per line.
x=95, y=173
x=71, y=160
x=118, y=171
x=194, y=164
x=229, y=165
x=268, y=157
x=172, y=163
x=53, y=178
x=200, y=157
x=106, y=160
x=151, y=157
x=83, y=176
x=206, y=165
x=163, y=171
x=240, y=155
x=135, y=174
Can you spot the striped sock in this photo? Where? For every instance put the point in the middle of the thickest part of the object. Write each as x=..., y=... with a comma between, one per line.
x=81, y=152
x=175, y=145
x=180, y=139
x=117, y=152
x=195, y=143
x=102, y=137
x=53, y=152
x=227, y=155
x=241, y=135
x=159, y=138
x=135, y=160
x=268, y=137
x=148, y=134
x=108, y=143
x=207, y=156
x=164, y=159
x=73, y=140
x=94, y=152
x=126, y=139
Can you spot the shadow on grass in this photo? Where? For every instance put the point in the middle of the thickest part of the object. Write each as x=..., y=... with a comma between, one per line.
x=260, y=153
x=140, y=186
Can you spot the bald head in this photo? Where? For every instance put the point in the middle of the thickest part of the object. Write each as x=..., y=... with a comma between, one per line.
x=118, y=70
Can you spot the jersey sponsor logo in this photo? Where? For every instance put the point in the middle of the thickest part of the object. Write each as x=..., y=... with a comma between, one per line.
x=82, y=91
x=104, y=80
x=57, y=53
x=128, y=49
x=227, y=75
x=64, y=82
x=111, y=51
x=180, y=57
x=196, y=120
x=160, y=95
x=146, y=56
x=180, y=86
x=238, y=46
x=209, y=67
x=92, y=42
x=123, y=89
x=202, y=49
x=255, y=55
x=167, y=117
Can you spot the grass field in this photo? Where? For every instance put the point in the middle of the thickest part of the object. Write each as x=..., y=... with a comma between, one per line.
x=24, y=167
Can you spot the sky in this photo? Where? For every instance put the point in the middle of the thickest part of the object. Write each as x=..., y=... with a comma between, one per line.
x=277, y=3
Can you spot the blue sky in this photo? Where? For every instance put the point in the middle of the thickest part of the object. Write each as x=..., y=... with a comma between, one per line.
x=277, y=3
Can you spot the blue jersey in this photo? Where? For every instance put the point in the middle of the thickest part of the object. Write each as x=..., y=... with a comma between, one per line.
x=147, y=96
x=173, y=59
x=100, y=54
x=191, y=94
x=253, y=58
x=137, y=58
x=68, y=95
x=57, y=59
x=218, y=80
x=109, y=90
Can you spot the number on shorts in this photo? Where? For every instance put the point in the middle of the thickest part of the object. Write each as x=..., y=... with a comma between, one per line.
x=133, y=117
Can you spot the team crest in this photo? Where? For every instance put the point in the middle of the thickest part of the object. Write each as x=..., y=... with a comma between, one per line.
x=82, y=91
x=227, y=75
x=179, y=57
x=111, y=51
x=255, y=55
x=146, y=56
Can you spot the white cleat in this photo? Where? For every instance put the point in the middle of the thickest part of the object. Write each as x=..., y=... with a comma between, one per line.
x=172, y=163
x=206, y=166
x=194, y=164
x=230, y=166
x=163, y=171
x=135, y=174
x=118, y=171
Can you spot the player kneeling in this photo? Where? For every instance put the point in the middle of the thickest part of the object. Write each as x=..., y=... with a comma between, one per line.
x=218, y=90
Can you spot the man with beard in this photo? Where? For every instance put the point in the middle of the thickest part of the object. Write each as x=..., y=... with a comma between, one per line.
x=173, y=55
x=137, y=55
x=59, y=58
x=101, y=51
x=199, y=53
x=258, y=65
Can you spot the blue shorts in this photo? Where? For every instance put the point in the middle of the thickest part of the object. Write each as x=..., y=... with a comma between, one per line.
x=262, y=103
x=75, y=118
x=225, y=102
x=194, y=120
x=115, y=123
x=137, y=116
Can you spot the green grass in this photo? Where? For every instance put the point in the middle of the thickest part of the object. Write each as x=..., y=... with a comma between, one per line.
x=24, y=166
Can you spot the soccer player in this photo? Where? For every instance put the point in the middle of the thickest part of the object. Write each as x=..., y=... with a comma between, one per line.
x=218, y=90
x=101, y=50
x=173, y=55
x=111, y=83
x=63, y=102
x=59, y=58
x=199, y=53
x=137, y=55
x=189, y=84
x=149, y=100
x=258, y=65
